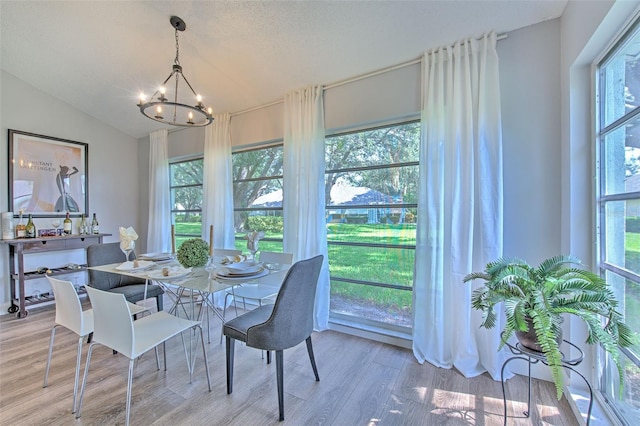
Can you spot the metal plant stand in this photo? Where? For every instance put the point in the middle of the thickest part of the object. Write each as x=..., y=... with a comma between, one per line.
x=533, y=357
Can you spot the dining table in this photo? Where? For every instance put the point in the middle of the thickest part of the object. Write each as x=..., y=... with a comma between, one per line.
x=197, y=285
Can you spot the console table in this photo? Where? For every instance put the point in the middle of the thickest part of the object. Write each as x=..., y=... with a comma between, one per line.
x=18, y=248
x=533, y=357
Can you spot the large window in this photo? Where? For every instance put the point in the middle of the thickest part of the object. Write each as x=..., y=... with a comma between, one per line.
x=618, y=128
x=257, y=196
x=371, y=201
x=186, y=198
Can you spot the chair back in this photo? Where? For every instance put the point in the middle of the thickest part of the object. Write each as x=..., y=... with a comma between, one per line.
x=68, y=308
x=291, y=320
x=105, y=254
x=276, y=257
x=113, y=322
x=226, y=252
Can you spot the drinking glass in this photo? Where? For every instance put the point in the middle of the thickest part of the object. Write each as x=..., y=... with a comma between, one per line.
x=252, y=246
x=127, y=251
x=56, y=222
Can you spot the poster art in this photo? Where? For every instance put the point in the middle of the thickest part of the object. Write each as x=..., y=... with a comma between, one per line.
x=47, y=176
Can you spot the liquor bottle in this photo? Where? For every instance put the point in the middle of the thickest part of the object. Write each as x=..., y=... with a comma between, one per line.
x=82, y=228
x=95, y=227
x=30, y=229
x=21, y=229
x=67, y=225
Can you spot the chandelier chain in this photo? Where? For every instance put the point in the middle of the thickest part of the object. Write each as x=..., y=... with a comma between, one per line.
x=177, y=59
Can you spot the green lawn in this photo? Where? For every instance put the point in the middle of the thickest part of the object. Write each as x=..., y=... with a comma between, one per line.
x=383, y=265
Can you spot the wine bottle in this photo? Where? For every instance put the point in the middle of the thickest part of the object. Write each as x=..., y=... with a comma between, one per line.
x=95, y=227
x=30, y=229
x=21, y=229
x=82, y=229
x=67, y=225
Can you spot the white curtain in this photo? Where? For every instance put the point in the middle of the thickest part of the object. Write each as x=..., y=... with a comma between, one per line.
x=460, y=214
x=217, y=184
x=159, y=227
x=303, y=167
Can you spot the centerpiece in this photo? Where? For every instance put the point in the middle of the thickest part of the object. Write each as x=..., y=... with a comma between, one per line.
x=193, y=252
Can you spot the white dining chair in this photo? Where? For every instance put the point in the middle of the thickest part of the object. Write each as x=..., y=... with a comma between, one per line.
x=114, y=328
x=69, y=314
x=258, y=293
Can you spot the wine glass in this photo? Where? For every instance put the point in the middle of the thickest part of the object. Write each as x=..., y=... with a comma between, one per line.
x=252, y=246
x=56, y=222
x=128, y=249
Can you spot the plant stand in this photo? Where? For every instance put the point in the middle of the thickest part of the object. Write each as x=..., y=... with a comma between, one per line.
x=533, y=357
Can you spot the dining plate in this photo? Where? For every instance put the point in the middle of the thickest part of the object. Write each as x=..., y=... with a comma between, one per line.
x=243, y=268
x=156, y=256
x=129, y=266
x=224, y=275
x=174, y=273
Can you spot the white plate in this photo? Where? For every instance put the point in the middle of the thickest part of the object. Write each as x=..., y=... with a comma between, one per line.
x=128, y=266
x=156, y=256
x=173, y=274
x=243, y=268
x=222, y=275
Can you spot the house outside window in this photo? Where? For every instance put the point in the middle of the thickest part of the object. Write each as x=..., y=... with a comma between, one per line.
x=371, y=186
x=618, y=138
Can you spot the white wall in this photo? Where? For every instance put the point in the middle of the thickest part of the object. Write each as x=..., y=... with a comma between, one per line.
x=113, y=163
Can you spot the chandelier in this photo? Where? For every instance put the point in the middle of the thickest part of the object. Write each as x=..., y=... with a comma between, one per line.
x=170, y=108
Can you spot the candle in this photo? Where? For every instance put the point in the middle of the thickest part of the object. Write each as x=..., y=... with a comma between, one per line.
x=173, y=239
x=210, y=240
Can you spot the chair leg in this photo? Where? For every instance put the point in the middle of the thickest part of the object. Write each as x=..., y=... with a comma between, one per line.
x=206, y=361
x=224, y=315
x=159, y=302
x=268, y=357
x=84, y=380
x=230, y=349
x=312, y=358
x=157, y=358
x=130, y=379
x=280, y=380
x=75, y=381
x=46, y=371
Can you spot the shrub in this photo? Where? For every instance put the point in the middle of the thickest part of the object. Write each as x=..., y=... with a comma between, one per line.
x=271, y=224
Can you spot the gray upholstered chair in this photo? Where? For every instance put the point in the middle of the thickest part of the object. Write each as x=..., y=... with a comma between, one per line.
x=131, y=287
x=280, y=326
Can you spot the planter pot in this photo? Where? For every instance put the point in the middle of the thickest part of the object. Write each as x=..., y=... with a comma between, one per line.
x=529, y=340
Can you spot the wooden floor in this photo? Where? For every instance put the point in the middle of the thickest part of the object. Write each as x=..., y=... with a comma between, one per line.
x=362, y=382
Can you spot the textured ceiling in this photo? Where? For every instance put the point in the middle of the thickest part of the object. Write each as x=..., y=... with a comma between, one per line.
x=98, y=55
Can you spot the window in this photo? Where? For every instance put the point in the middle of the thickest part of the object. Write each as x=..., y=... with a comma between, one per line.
x=371, y=200
x=257, y=196
x=618, y=132
x=185, y=185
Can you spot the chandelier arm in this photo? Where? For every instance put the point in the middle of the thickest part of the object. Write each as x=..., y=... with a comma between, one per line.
x=188, y=84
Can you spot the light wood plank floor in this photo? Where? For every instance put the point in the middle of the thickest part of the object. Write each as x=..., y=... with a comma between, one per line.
x=362, y=382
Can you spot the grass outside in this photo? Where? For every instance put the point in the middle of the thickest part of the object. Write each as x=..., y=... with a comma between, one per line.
x=381, y=265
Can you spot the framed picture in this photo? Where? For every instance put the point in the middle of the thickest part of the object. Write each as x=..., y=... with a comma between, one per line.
x=47, y=176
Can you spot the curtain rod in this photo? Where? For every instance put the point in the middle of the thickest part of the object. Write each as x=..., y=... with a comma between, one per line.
x=353, y=79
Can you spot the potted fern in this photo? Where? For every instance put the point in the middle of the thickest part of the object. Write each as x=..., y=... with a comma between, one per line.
x=535, y=300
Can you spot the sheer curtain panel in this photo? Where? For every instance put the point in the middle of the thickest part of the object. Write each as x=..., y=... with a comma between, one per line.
x=159, y=227
x=460, y=214
x=303, y=204
x=217, y=184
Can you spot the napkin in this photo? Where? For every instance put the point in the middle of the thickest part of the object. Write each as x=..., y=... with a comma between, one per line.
x=234, y=259
x=127, y=238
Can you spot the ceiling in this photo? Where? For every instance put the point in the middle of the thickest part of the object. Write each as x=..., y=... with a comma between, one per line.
x=98, y=55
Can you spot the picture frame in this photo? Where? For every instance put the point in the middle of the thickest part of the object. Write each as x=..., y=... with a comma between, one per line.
x=48, y=176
